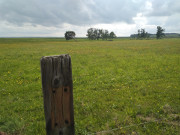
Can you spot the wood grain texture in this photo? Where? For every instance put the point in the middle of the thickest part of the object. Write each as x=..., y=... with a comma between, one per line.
x=56, y=75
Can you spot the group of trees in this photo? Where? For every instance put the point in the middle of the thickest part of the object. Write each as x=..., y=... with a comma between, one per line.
x=92, y=34
x=142, y=34
x=96, y=34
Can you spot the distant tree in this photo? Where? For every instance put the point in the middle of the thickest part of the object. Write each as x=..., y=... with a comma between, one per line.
x=112, y=35
x=139, y=34
x=142, y=34
x=70, y=35
x=105, y=34
x=91, y=34
x=160, y=32
x=96, y=34
x=100, y=33
x=133, y=35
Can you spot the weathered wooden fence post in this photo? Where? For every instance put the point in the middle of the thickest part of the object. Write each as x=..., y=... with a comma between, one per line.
x=56, y=74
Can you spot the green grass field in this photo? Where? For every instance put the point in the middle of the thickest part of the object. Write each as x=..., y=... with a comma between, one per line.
x=131, y=86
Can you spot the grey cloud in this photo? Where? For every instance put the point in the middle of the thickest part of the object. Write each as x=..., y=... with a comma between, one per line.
x=165, y=13
x=76, y=12
x=170, y=23
x=115, y=11
x=41, y=12
x=164, y=7
x=30, y=17
x=173, y=23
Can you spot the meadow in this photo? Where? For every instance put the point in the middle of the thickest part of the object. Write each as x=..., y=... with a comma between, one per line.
x=120, y=87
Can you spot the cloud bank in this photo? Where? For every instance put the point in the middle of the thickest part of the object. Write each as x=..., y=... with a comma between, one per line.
x=52, y=17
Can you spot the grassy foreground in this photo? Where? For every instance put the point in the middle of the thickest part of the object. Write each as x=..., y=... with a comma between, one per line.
x=131, y=85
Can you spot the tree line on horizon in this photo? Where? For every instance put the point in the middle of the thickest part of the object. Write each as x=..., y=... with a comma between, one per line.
x=142, y=34
x=96, y=34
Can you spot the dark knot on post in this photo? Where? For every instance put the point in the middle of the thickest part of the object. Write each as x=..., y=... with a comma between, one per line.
x=56, y=82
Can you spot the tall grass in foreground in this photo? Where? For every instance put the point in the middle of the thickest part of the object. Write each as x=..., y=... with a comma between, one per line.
x=116, y=85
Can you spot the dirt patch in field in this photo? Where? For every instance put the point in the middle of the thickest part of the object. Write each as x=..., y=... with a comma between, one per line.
x=152, y=119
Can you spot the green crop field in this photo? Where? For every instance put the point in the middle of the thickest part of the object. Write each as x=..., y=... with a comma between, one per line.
x=120, y=87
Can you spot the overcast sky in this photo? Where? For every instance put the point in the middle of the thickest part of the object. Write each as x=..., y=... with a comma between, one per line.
x=52, y=18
